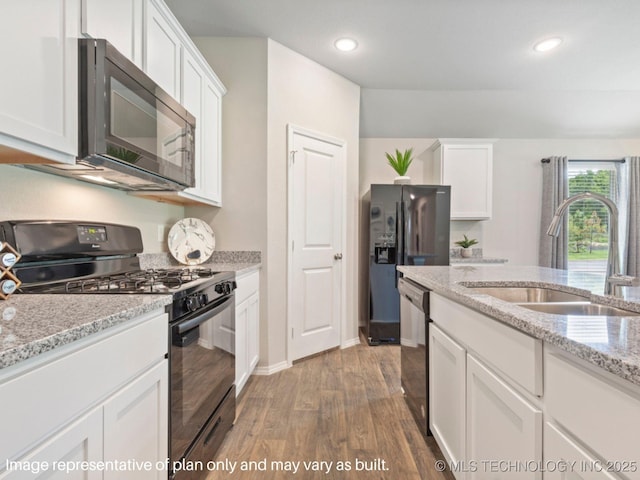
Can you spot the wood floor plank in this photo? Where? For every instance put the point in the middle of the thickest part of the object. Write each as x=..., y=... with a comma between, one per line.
x=340, y=406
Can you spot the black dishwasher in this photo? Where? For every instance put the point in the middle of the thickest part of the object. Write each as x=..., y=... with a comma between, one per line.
x=414, y=350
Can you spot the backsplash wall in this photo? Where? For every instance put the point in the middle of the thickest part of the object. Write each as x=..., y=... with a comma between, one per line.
x=30, y=195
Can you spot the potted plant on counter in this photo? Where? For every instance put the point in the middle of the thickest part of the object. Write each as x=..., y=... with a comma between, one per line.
x=400, y=163
x=466, y=244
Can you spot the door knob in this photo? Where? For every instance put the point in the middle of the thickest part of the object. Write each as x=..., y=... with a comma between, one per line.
x=338, y=256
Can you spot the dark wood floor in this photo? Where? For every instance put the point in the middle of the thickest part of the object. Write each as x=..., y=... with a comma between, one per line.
x=340, y=406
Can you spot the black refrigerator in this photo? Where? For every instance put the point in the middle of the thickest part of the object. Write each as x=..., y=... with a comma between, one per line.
x=403, y=225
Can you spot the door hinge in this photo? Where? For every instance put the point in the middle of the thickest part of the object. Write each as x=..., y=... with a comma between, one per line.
x=292, y=156
x=293, y=244
x=292, y=334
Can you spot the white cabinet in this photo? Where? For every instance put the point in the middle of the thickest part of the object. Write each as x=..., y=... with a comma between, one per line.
x=51, y=402
x=39, y=82
x=118, y=21
x=466, y=165
x=573, y=460
x=247, y=327
x=202, y=97
x=173, y=61
x=79, y=442
x=600, y=411
x=501, y=425
x=484, y=378
x=136, y=423
x=447, y=385
x=162, y=49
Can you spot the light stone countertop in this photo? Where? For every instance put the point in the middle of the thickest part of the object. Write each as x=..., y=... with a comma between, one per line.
x=616, y=345
x=34, y=324
x=474, y=260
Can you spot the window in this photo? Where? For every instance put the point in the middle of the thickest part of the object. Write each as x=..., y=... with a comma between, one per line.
x=588, y=236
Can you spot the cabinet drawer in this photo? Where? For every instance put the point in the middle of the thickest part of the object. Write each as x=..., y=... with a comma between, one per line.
x=515, y=354
x=40, y=401
x=580, y=465
x=247, y=285
x=595, y=409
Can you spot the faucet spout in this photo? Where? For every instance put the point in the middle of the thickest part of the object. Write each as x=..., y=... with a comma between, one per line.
x=613, y=260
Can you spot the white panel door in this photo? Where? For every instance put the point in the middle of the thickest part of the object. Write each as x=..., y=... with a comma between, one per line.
x=501, y=425
x=119, y=21
x=447, y=394
x=163, y=50
x=136, y=424
x=79, y=442
x=315, y=229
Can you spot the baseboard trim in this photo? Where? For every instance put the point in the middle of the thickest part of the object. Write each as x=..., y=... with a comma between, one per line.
x=271, y=369
x=352, y=342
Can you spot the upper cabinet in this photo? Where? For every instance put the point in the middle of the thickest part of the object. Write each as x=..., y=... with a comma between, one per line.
x=174, y=62
x=39, y=91
x=163, y=48
x=466, y=165
x=38, y=94
x=119, y=21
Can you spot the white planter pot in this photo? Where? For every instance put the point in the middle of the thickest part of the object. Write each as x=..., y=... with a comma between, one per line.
x=465, y=252
x=403, y=180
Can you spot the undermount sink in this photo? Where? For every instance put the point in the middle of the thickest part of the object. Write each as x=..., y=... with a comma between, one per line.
x=579, y=308
x=547, y=300
x=530, y=294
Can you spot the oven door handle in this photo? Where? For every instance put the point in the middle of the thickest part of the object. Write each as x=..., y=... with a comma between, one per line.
x=204, y=316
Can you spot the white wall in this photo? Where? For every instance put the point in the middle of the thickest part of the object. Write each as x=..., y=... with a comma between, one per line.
x=304, y=93
x=513, y=231
x=30, y=195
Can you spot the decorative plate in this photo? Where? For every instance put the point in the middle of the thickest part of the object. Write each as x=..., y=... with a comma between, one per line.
x=191, y=241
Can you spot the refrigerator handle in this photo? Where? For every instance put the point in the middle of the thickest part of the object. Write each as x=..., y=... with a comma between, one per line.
x=399, y=237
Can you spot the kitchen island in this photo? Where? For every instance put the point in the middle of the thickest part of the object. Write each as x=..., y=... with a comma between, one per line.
x=517, y=393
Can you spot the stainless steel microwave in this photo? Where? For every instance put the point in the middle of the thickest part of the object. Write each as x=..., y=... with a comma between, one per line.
x=132, y=134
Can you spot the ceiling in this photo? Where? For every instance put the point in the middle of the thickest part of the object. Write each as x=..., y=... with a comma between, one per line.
x=459, y=68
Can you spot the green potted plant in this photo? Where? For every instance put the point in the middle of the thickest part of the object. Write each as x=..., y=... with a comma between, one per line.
x=466, y=244
x=400, y=163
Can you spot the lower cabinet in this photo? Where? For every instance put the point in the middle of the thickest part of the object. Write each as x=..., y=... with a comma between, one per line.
x=503, y=429
x=100, y=399
x=447, y=384
x=247, y=327
x=136, y=422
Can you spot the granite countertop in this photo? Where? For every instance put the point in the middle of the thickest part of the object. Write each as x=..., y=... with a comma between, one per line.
x=611, y=343
x=34, y=324
x=475, y=260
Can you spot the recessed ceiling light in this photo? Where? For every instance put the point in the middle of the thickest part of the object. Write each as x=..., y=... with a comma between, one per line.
x=346, y=44
x=548, y=44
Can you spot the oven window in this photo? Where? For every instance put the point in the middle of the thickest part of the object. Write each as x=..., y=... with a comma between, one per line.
x=144, y=126
x=202, y=366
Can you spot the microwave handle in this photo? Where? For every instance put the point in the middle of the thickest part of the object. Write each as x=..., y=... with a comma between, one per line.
x=204, y=316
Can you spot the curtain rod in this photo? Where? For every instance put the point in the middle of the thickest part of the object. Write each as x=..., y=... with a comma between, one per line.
x=615, y=160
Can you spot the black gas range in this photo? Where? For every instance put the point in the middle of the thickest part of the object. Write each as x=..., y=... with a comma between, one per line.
x=75, y=258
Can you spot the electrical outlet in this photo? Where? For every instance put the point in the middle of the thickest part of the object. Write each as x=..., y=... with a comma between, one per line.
x=162, y=233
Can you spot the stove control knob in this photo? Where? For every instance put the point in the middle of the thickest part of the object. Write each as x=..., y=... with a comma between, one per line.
x=220, y=288
x=192, y=303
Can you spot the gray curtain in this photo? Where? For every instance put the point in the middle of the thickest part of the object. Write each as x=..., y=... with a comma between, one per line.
x=630, y=218
x=555, y=188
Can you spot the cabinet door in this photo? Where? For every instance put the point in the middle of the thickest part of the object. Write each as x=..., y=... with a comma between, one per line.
x=118, y=21
x=447, y=379
x=79, y=442
x=39, y=83
x=163, y=49
x=136, y=424
x=242, y=365
x=253, y=331
x=211, y=186
x=501, y=426
x=577, y=463
x=469, y=171
x=193, y=81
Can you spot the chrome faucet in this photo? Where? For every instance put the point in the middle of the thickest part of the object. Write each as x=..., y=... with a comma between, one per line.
x=613, y=279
